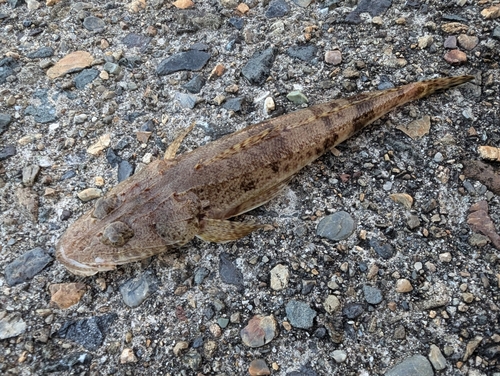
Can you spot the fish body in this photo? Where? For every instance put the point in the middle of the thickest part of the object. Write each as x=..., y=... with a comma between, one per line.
x=172, y=200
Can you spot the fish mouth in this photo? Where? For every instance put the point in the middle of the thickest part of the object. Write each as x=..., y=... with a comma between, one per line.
x=79, y=268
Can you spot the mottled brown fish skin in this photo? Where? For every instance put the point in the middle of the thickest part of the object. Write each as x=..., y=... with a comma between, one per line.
x=171, y=201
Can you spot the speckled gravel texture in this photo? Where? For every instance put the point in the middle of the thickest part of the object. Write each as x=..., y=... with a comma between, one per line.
x=439, y=283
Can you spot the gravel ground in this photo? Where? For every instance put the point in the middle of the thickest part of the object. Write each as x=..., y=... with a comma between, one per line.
x=410, y=289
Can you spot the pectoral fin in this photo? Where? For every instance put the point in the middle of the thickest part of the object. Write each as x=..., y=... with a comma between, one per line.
x=174, y=146
x=221, y=230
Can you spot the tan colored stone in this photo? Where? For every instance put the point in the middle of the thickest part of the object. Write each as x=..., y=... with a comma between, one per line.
x=136, y=5
x=100, y=145
x=403, y=285
x=65, y=295
x=417, y=128
x=127, y=356
x=331, y=304
x=179, y=346
x=491, y=12
x=402, y=198
x=258, y=367
x=454, y=28
x=89, y=194
x=243, y=8
x=51, y=3
x=72, y=62
x=468, y=42
x=489, y=152
x=183, y=4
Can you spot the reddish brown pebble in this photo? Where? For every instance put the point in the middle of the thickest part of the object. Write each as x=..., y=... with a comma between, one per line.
x=455, y=57
x=259, y=331
x=258, y=367
x=64, y=295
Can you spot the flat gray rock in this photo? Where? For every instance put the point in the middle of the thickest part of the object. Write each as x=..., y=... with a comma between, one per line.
x=25, y=267
x=300, y=314
x=191, y=60
x=337, y=226
x=417, y=365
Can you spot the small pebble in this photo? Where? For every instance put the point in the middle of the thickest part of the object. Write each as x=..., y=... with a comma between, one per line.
x=258, y=367
x=417, y=365
x=455, y=57
x=89, y=194
x=280, y=276
x=333, y=57
x=403, y=285
x=450, y=42
x=339, y=356
x=127, y=356
x=436, y=358
x=297, y=97
x=300, y=314
x=259, y=331
x=445, y=257
x=331, y=304
x=337, y=226
x=372, y=295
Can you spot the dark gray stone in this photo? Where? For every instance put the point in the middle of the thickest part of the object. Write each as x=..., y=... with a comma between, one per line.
x=5, y=120
x=148, y=126
x=258, y=68
x=16, y=3
x=191, y=60
x=277, y=8
x=200, y=274
x=385, y=251
x=92, y=23
x=192, y=359
x=45, y=112
x=112, y=68
x=299, y=314
x=373, y=7
x=89, y=333
x=25, y=267
x=125, y=170
x=41, y=53
x=337, y=226
x=7, y=66
x=372, y=294
x=130, y=62
x=233, y=104
x=454, y=18
x=237, y=22
x=417, y=365
x=186, y=100
x=194, y=85
x=305, y=370
x=352, y=310
x=69, y=362
x=68, y=175
x=496, y=33
x=138, y=289
x=7, y=151
x=304, y=53
x=228, y=272
x=85, y=77
x=135, y=40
